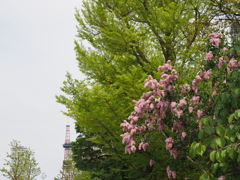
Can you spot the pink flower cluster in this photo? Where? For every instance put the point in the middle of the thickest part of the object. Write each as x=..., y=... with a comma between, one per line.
x=221, y=61
x=221, y=178
x=215, y=38
x=166, y=67
x=143, y=146
x=184, y=89
x=232, y=64
x=151, y=162
x=169, y=142
x=153, y=106
x=209, y=56
x=171, y=173
x=203, y=75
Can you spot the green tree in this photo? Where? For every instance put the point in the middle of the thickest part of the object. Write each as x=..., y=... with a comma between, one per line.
x=128, y=41
x=20, y=163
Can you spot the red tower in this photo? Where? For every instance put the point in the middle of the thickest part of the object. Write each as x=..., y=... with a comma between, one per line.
x=67, y=173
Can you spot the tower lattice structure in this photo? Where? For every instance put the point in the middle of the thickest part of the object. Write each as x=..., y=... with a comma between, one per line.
x=67, y=166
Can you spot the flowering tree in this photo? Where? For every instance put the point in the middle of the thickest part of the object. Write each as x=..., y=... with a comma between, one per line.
x=198, y=122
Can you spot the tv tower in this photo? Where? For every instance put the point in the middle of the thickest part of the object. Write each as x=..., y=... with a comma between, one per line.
x=67, y=167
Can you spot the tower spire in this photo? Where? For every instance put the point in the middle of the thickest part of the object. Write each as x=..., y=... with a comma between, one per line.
x=67, y=173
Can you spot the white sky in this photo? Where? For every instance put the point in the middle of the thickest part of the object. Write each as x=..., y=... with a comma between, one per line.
x=36, y=51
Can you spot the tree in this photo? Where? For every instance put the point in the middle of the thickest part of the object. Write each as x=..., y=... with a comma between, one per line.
x=21, y=163
x=198, y=122
x=128, y=40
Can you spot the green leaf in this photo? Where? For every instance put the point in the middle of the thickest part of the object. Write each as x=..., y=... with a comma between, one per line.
x=237, y=48
x=213, y=143
x=238, y=135
x=206, y=176
x=224, y=155
x=238, y=158
x=220, y=142
x=232, y=153
x=218, y=156
x=230, y=119
x=202, y=149
x=209, y=130
x=200, y=134
x=204, y=121
x=223, y=166
x=235, y=75
x=220, y=130
x=214, y=167
x=224, y=112
x=213, y=156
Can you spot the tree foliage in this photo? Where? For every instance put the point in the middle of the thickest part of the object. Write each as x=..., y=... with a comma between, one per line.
x=20, y=163
x=128, y=40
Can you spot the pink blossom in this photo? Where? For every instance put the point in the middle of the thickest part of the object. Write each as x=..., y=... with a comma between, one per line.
x=143, y=146
x=151, y=83
x=205, y=74
x=221, y=61
x=150, y=125
x=194, y=83
x=169, y=87
x=166, y=67
x=151, y=162
x=184, y=134
x=233, y=63
x=213, y=35
x=199, y=113
x=127, y=137
x=126, y=126
x=195, y=99
x=177, y=112
x=174, y=153
x=169, y=172
x=221, y=178
x=229, y=70
x=182, y=102
x=209, y=56
x=174, y=175
x=173, y=104
x=130, y=147
x=162, y=107
x=214, y=92
x=215, y=41
x=177, y=126
x=224, y=49
x=215, y=38
x=198, y=78
x=133, y=148
x=185, y=88
x=160, y=124
x=190, y=109
x=133, y=119
x=169, y=141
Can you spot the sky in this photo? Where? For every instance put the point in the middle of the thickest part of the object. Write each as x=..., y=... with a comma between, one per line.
x=36, y=51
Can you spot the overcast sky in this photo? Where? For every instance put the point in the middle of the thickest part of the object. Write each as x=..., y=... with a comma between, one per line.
x=36, y=51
